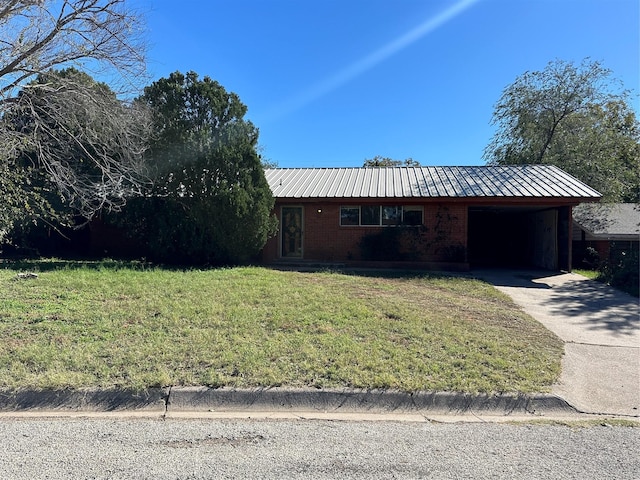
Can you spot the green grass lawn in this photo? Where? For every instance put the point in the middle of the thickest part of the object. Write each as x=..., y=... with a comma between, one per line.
x=110, y=325
x=591, y=274
x=630, y=287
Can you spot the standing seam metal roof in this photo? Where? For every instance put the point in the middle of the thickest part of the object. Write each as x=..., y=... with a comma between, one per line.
x=526, y=181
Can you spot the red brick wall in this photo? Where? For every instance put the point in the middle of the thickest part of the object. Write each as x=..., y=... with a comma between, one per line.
x=326, y=241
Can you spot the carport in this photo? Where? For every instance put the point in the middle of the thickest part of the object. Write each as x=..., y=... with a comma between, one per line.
x=520, y=236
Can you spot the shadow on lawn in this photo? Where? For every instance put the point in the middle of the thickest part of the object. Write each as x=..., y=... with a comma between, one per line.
x=50, y=264
x=511, y=278
x=386, y=273
x=35, y=264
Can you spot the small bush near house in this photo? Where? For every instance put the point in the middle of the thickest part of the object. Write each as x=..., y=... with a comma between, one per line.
x=622, y=272
x=454, y=253
x=393, y=244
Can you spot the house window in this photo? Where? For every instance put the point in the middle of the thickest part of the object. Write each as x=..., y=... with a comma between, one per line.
x=381, y=215
x=370, y=215
x=391, y=216
x=349, y=216
x=412, y=215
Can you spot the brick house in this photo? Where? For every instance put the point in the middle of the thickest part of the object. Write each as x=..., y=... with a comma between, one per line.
x=610, y=229
x=426, y=217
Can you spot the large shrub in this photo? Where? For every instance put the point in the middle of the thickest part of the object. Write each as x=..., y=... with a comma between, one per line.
x=210, y=202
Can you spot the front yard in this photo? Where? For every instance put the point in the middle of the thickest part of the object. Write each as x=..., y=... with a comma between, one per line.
x=124, y=325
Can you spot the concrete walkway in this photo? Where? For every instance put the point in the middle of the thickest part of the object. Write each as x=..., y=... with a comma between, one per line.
x=601, y=330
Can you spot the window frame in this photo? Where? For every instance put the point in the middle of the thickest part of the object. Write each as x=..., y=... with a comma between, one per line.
x=350, y=207
x=375, y=214
x=412, y=208
x=381, y=214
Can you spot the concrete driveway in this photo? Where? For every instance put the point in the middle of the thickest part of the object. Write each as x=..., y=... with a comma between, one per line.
x=601, y=330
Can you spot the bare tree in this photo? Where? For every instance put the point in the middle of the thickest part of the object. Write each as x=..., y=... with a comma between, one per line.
x=64, y=126
x=39, y=35
x=86, y=141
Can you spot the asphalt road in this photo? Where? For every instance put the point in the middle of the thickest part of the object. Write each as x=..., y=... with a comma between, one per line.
x=203, y=449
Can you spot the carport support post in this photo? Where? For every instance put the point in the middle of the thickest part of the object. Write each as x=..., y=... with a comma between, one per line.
x=564, y=238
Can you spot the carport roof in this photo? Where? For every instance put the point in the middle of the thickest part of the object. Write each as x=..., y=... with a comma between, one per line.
x=521, y=181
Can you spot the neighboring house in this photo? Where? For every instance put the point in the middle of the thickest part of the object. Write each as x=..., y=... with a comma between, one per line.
x=611, y=229
x=428, y=217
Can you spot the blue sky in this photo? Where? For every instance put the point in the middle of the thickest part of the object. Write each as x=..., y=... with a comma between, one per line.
x=330, y=83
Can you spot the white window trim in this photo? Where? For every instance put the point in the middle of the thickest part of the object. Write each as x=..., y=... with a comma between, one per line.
x=404, y=208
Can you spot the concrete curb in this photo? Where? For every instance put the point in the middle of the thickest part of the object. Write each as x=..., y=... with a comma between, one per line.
x=87, y=400
x=165, y=401
x=189, y=399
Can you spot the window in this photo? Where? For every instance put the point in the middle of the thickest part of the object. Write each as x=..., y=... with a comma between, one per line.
x=391, y=215
x=412, y=215
x=349, y=216
x=381, y=215
x=370, y=215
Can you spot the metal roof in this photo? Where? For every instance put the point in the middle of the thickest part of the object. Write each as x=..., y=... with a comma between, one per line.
x=522, y=181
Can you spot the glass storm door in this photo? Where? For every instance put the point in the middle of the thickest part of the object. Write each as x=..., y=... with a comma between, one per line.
x=291, y=232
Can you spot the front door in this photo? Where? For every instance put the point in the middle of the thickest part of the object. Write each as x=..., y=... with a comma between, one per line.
x=291, y=228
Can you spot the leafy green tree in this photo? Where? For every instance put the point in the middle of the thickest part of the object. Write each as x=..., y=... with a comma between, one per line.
x=574, y=117
x=210, y=202
x=379, y=161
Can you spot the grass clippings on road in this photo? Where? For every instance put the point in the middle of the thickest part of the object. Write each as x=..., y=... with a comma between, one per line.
x=118, y=326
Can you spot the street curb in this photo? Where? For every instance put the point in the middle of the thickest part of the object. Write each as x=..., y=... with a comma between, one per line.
x=190, y=399
x=85, y=400
x=164, y=401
